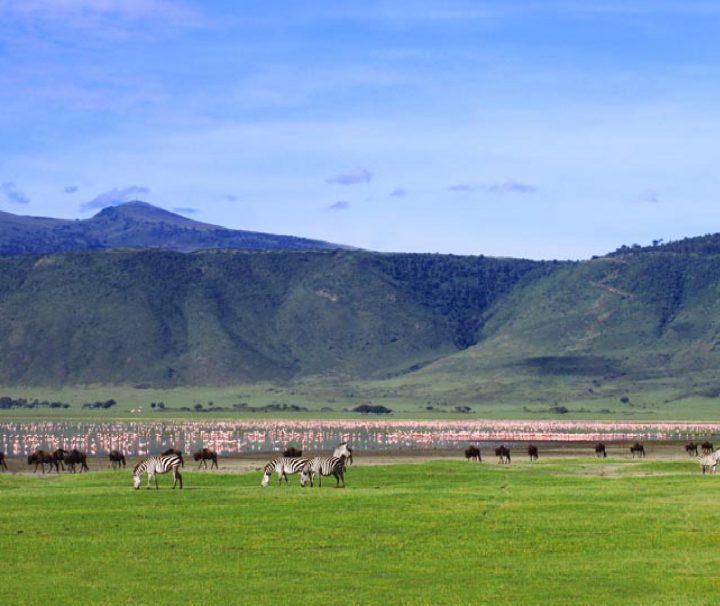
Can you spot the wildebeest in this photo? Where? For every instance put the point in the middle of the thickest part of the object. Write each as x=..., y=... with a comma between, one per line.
x=59, y=458
x=472, y=453
x=533, y=453
x=707, y=447
x=292, y=452
x=117, y=459
x=343, y=449
x=174, y=451
x=503, y=454
x=692, y=449
x=638, y=450
x=75, y=457
x=41, y=458
x=204, y=456
x=600, y=450
x=3, y=464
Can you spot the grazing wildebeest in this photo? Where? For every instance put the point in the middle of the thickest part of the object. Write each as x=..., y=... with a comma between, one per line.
x=709, y=461
x=343, y=449
x=117, y=459
x=600, y=450
x=503, y=454
x=41, y=458
x=638, y=450
x=691, y=448
x=472, y=453
x=292, y=452
x=533, y=453
x=174, y=451
x=707, y=447
x=75, y=457
x=204, y=456
x=3, y=464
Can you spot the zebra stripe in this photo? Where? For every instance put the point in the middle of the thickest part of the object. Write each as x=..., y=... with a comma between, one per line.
x=155, y=465
x=283, y=466
x=709, y=461
x=324, y=466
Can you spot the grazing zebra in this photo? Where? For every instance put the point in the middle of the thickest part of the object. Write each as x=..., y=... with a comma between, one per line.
x=283, y=466
x=3, y=464
x=600, y=450
x=324, y=466
x=709, y=461
x=155, y=465
x=343, y=449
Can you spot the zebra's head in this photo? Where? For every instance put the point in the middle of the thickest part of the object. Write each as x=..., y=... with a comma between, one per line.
x=344, y=449
x=266, y=478
x=136, y=481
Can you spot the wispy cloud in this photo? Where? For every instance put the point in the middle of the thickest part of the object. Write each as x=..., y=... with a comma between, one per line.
x=353, y=177
x=511, y=186
x=114, y=197
x=651, y=196
x=398, y=192
x=340, y=205
x=71, y=189
x=186, y=210
x=463, y=187
x=13, y=193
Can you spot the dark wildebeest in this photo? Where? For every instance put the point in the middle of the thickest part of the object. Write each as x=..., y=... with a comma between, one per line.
x=3, y=464
x=204, y=456
x=707, y=447
x=41, y=458
x=175, y=451
x=292, y=452
x=59, y=458
x=75, y=457
x=692, y=449
x=600, y=450
x=117, y=459
x=638, y=450
x=503, y=454
x=533, y=453
x=472, y=453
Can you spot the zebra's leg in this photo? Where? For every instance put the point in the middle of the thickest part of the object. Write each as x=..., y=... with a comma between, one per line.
x=178, y=478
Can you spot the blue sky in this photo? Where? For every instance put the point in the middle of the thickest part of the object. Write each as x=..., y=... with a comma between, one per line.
x=547, y=129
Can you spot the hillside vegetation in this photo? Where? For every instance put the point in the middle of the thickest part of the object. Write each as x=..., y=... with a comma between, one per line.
x=168, y=318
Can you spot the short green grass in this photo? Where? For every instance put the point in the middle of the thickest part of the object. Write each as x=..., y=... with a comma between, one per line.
x=563, y=531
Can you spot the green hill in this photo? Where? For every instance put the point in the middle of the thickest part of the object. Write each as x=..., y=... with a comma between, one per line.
x=169, y=318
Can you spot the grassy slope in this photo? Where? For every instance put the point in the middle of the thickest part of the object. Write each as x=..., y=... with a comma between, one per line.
x=563, y=531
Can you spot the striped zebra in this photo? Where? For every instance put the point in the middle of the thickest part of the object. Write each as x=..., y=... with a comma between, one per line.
x=283, y=466
x=155, y=465
x=343, y=449
x=709, y=462
x=324, y=466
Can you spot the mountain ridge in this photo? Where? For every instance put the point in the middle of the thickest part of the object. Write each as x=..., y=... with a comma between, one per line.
x=135, y=224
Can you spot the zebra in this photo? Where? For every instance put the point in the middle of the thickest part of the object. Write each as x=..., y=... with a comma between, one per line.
x=283, y=466
x=709, y=461
x=155, y=465
x=324, y=466
x=343, y=449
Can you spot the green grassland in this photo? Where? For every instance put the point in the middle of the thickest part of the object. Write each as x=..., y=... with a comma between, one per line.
x=656, y=401
x=562, y=531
